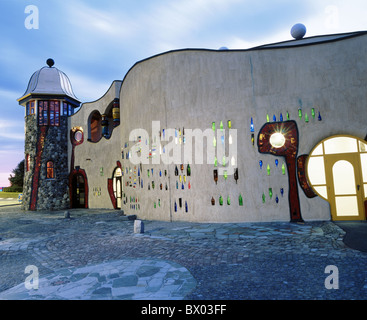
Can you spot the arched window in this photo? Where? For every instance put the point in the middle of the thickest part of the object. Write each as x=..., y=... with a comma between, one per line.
x=95, y=127
x=337, y=171
x=27, y=162
x=50, y=170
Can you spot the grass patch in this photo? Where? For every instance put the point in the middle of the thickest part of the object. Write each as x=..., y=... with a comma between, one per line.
x=13, y=195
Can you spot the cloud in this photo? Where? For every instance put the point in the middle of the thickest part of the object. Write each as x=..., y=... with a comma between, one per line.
x=87, y=88
x=155, y=27
x=9, y=94
x=9, y=129
x=96, y=22
x=174, y=24
x=336, y=17
x=322, y=18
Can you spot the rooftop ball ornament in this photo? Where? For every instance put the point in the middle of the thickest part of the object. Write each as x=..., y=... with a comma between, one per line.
x=298, y=31
x=50, y=62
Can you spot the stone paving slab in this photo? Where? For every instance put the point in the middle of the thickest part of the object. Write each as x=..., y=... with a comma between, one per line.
x=86, y=257
x=138, y=279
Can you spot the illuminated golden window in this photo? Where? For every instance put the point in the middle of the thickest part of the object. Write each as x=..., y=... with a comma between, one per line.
x=337, y=171
x=50, y=170
x=27, y=162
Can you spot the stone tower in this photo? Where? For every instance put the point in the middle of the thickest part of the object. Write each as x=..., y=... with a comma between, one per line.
x=49, y=101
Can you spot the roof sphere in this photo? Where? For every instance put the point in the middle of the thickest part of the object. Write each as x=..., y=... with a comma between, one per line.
x=298, y=31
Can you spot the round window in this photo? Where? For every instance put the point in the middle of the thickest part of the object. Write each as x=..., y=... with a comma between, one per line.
x=78, y=136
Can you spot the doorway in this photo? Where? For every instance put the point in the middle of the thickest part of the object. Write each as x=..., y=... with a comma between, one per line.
x=118, y=191
x=337, y=172
x=118, y=187
x=78, y=191
x=345, y=187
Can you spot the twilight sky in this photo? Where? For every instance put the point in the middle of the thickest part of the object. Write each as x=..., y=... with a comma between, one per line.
x=96, y=42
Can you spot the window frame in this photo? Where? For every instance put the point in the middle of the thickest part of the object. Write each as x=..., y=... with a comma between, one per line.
x=49, y=113
x=27, y=162
x=95, y=126
x=67, y=109
x=50, y=170
x=31, y=108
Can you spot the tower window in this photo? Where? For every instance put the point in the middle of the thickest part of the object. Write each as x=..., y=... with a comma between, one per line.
x=54, y=110
x=43, y=113
x=27, y=162
x=49, y=113
x=50, y=170
x=68, y=109
x=30, y=107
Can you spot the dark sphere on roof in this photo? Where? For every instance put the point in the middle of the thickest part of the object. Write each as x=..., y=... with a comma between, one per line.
x=50, y=62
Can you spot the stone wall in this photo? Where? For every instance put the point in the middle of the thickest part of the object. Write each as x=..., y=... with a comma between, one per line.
x=31, y=134
x=53, y=194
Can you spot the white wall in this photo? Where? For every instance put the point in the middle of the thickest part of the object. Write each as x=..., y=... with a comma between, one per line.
x=193, y=88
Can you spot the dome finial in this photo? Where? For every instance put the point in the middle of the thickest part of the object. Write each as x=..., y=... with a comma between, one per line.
x=50, y=62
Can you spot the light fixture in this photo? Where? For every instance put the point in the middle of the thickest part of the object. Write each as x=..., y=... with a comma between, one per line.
x=277, y=140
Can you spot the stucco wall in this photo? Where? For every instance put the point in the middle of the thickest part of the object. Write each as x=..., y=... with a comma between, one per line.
x=193, y=88
x=92, y=156
x=190, y=89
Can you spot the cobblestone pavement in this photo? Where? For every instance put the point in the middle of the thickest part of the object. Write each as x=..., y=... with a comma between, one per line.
x=96, y=255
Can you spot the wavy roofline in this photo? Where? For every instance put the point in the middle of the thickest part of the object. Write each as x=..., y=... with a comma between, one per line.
x=288, y=44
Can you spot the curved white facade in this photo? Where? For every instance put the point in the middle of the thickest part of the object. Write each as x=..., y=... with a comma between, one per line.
x=184, y=92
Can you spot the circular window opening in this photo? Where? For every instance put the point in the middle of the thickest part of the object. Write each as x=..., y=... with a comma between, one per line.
x=78, y=136
x=277, y=140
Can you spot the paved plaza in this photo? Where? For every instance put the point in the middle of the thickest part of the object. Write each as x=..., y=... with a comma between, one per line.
x=95, y=255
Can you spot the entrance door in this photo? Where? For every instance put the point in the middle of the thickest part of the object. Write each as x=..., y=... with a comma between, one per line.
x=118, y=187
x=119, y=191
x=344, y=186
x=78, y=191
